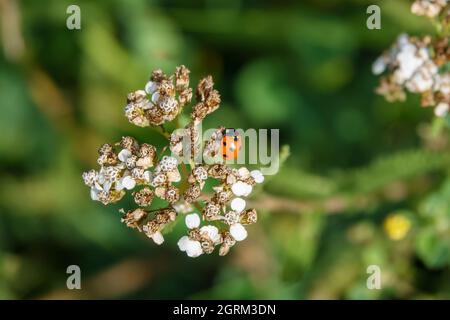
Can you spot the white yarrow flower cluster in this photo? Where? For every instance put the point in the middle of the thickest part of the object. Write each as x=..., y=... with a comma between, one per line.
x=415, y=67
x=227, y=207
x=200, y=238
x=120, y=171
x=411, y=62
x=428, y=8
x=127, y=165
x=161, y=100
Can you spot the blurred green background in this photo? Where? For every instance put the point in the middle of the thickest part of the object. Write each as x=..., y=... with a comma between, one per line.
x=301, y=66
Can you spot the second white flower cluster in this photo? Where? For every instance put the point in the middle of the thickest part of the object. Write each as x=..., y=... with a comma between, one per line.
x=417, y=66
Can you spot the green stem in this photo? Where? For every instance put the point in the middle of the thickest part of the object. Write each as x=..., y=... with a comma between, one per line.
x=163, y=131
x=185, y=183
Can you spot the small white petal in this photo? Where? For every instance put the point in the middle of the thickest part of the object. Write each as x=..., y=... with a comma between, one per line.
x=119, y=185
x=98, y=186
x=155, y=97
x=94, y=194
x=238, y=232
x=147, y=176
x=238, y=205
x=107, y=186
x=124, y=155
x=379, y=66
x=247, y=189
x=182, y=243
x=239, y=188
x=158, y=238
x=193, y=248
x=128, y=182
x=192, y=220
x=258, y=176
x=101, y=178
x=150, y=87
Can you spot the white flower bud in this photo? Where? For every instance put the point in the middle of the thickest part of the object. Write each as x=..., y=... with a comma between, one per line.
x=192, y=220
x=193, y=248
x=128, y=182
x=258, y=176
x=379, y=66
x=238, y=205
x=182, y=243
x=241, y=189
x=238, y=232
x=158, y=238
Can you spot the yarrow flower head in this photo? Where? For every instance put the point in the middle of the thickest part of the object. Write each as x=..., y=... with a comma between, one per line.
x=120, y=170
x=161, y=100
x=429, y=8
x=212, y=220
x=419, y=65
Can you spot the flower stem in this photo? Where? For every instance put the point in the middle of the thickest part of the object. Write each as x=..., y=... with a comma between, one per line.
x=163, y=131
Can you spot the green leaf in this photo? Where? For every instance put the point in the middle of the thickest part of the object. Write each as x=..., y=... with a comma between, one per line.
x=434, y=252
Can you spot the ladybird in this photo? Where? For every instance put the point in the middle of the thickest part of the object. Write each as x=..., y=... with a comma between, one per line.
x=231, y=144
